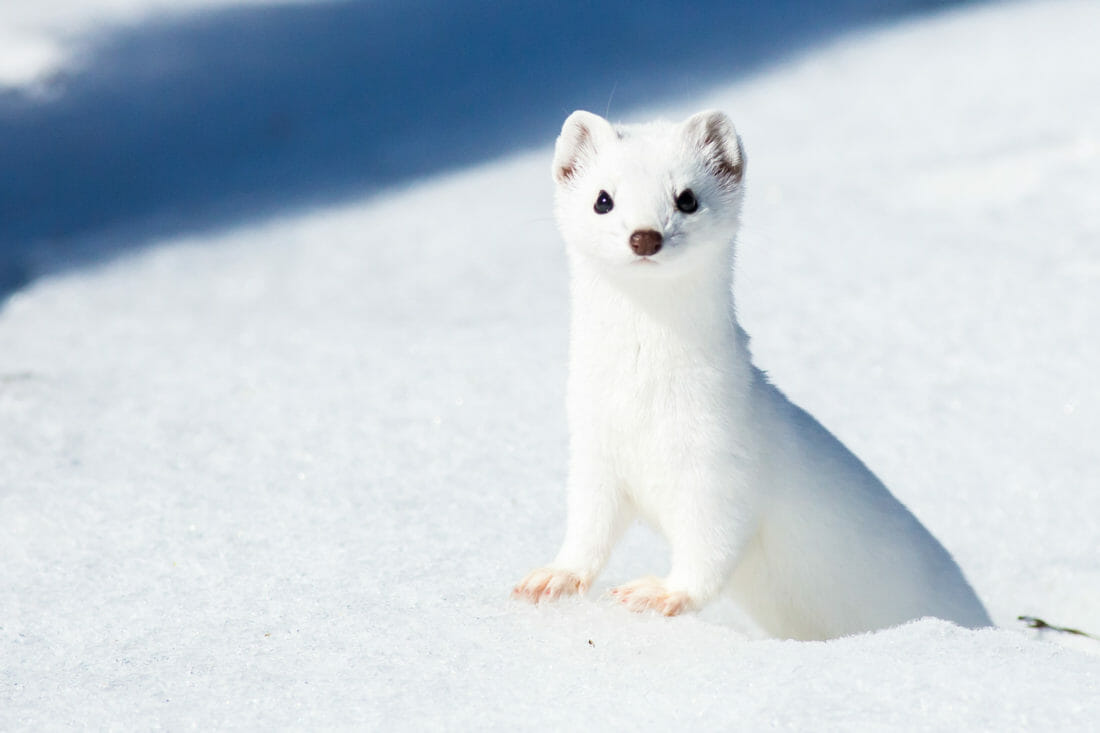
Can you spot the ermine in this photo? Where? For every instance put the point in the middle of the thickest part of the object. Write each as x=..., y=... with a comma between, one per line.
x=670, y=421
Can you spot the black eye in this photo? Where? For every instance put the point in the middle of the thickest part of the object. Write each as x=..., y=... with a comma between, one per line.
x=604, y=203
x=686, y=202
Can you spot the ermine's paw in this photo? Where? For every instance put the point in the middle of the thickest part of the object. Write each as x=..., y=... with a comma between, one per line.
x=650, y=594
x=546, y=584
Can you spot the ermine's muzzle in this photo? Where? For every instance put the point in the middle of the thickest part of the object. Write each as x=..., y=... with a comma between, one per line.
x=645, y=242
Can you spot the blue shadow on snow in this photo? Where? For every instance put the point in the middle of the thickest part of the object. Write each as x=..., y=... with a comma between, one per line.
x=208, y=120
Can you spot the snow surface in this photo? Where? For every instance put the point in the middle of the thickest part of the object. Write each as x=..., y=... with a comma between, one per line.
x=284, y=474
x=43, y=38
x=191, y=121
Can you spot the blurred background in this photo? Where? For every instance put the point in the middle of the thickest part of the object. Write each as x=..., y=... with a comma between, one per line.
x=126, y=120
x=283, y=344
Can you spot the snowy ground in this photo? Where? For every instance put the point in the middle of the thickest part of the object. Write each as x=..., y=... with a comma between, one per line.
x=42, y=38
x=284, y=474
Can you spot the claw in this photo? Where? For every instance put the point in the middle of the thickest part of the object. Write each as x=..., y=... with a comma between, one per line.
x=651, y=594
x=547, y=584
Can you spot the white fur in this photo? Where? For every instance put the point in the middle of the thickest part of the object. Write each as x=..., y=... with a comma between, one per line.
x=670, y=421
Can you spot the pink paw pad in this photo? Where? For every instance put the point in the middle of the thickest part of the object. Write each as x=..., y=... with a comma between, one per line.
x=650, y=594
x=546, y=584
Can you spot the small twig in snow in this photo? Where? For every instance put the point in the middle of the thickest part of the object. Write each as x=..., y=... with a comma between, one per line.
x=1038, y=623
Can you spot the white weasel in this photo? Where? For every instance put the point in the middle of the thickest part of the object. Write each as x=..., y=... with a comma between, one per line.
x=670, y=421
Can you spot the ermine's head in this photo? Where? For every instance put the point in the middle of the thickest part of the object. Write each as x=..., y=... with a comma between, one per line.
x=650, y=199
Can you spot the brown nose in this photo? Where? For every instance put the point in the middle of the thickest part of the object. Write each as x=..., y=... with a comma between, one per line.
x=645, y=242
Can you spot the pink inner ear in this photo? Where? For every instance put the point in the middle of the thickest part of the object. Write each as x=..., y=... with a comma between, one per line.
x=568, y=168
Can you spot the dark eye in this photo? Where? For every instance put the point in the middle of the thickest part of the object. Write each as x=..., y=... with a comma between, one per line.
x=604, y=203
x=686, y=202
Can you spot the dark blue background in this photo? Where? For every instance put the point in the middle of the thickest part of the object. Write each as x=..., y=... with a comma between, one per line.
x=201, y=122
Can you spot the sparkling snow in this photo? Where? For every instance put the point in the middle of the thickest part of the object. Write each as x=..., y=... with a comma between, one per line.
x=284, y=474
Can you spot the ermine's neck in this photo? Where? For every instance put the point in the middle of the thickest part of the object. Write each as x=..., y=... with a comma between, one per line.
x=689, y=311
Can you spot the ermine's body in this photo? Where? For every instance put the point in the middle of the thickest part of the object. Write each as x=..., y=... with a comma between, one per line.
x=670, y=421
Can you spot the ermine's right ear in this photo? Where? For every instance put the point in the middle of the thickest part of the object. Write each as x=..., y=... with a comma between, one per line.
x=713, y=137
x=578, y=144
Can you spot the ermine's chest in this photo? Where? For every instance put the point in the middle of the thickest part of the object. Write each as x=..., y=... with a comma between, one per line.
x=654, y=400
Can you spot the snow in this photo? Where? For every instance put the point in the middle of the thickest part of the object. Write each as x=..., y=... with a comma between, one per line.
x=41, y=39
x=282, y=471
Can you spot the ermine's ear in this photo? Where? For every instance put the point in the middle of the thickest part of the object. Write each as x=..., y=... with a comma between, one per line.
x=713, y=137
x=578, y=143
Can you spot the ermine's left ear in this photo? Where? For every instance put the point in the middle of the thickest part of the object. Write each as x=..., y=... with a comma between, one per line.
x=579, y=143
x=713, y=137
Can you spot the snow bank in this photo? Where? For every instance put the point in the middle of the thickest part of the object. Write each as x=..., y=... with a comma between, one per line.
x=43, y=38
x=285, y=475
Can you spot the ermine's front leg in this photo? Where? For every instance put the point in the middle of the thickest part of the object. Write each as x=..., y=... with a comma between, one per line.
x=598, y=513
x=707, y=535
x=652, y=594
